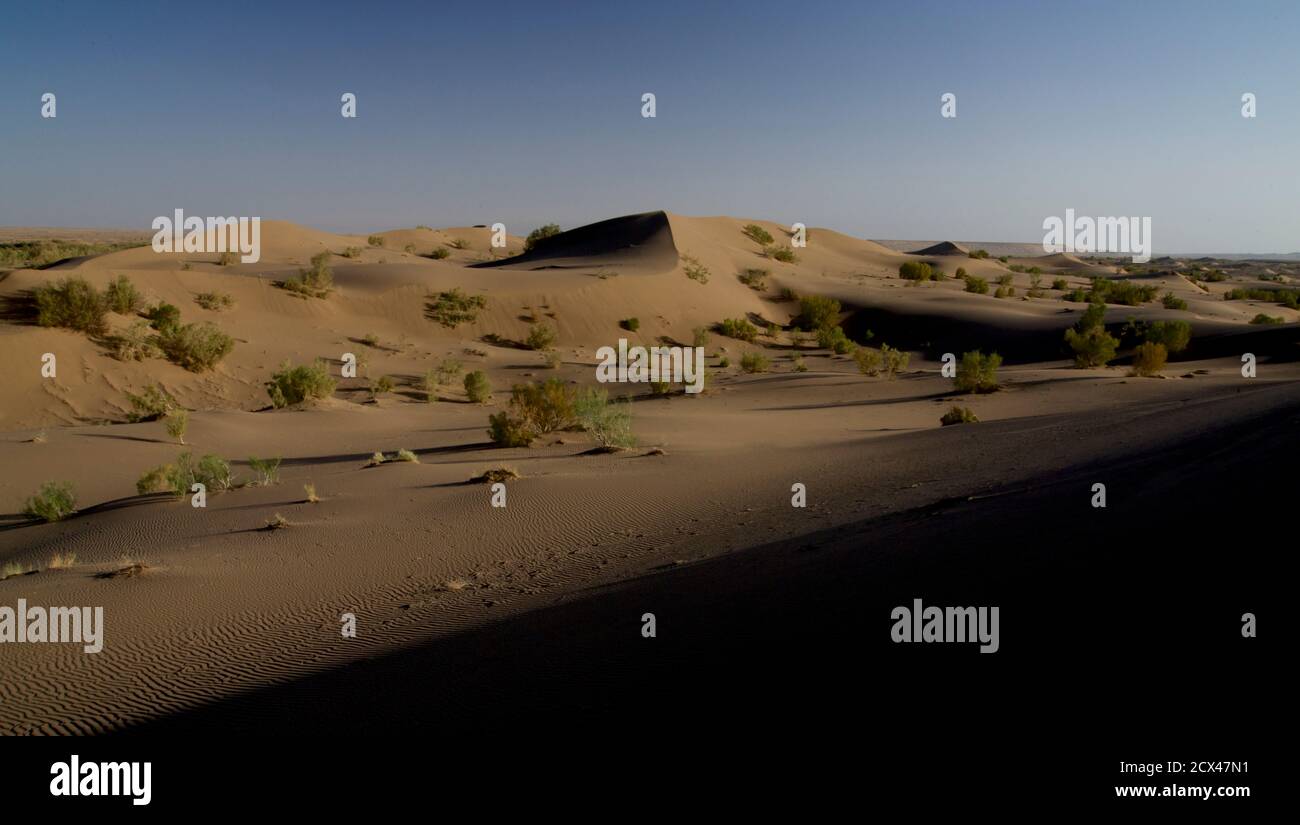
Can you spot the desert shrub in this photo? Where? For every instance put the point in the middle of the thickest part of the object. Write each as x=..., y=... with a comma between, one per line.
x=439, y=254
x=1262, y=318
x=176, y=422
x=1075, y=296
x=458, y=243
x=788, y=294
x=163, y=317
x=868, y=360
x=1172, y=301
x=758, y=234
x=724, y=362
x=267, y=469
x=816, y=312
x=700, y=336
x=376, y=458
x=352, y=252
x=53, y=502
x=228, y=259
x=71, y=303
x=1149, y=358
x=454, y=307
x=915, y=271
x=1003, y=292
x=535, y=409
x=477, y=387
x=834, y=339
x=212, y=471
x=977, y=285
x=409, y=249
x=1061, y=284
x=784, y=254
x=381, y=385
x=798, y=365
x=1287, y=297
x=754, y=361
x=893, y=361
x=309, y=490
x=122, y=297
x=630, y=324
x=1173, y=335
x=375, y=240
x=215, y=301
x=1093, y=347
x=293, y=385
x=1006, y=279
x=136, y=343
x=1121, y=292
x=196, y=347
x=1093, y=316
x=316, y=282
x=370, y=339
x=959, y=415
x=540, y=234
x=977, y=372
x=695, y=270
x=978, y=253
x=739, y=329
x=660, y=387
x=406, y=455
x=754, y=278
x=610, y=424
x=150, y=405
x=961, y=273
x=540, y=337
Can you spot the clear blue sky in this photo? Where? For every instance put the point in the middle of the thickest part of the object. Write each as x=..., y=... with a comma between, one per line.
x=530, y=112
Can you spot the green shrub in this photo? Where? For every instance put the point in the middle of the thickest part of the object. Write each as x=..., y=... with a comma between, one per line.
x=893, y=361
x=834, y=339
x=455, y=307
x=316, y=282
x=458, y=243
x=375, y=240
x=977, y=285
x=122, y=297
x=136, y=343
x=1121, y=292
x=1093, y=347
x=754, y=361
x=406, y=455
x=1173, y=335
x=961, y=273
x=959, y=415
x=1093, y=316
x=540, y=234
x=176, y=422
x=196, y=347
x=212, y=471
x=868, y=360
x=1075, y=296
x=754, y=278
x=798, y=364
x=739, y=329
x=758, y=234
x=977, y=372
x=915, y=271
x=53, y=502
x=700, y=336
x=788, y=294
x=151, y=405
x=1005, y=279
x=163, y=317
x=695, y=270
x=817, y=312
x=609, y=424
x=541, y=337
x=293, y=385
x=352, y=252
x=1061, y=284
x=477, y=387
x=1149, y=358
x=439, y=254
x=979, y=253
x=1004, y=292
x=381, y=385
x=1171, y=301
x=215, y=301
x=630, y=324
x=784, y=254
x=71, y=303
x=267, y=469
x=1261, y=318
x=506, y=430
x=535, y=409
x=1287, y=297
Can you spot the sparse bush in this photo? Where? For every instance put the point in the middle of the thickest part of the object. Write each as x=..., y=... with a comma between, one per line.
x=630, y=324
x=535, y=409
x=71, y=303
x=381, y=385
x=376, y=458
x=1004, y=292
x=784, y=254
x=1121, y=292
x=228, y=259
x=1093, y=347
x=1173, y=335
x=893, y=360
x=53, y=502
x=540, y=234
x=150, y=405
x=700, y=336
x=758, y=234
x=1093, y=316
x=540, y=337
x=834, y=339
x=310, y=490
x=1172, y=301
x=454, y=307
x=492, y=476
x=409, y=249
x=1061, y=284
x=817, y=312
x=267, y=469
x=553, y=360
x=868, y=360
x=1287, y=297
x=754, y=279
x=610, y=424
x=915, y=271
x=375, y=240
x=739, y=329
x=458, y=243
x=798, y=364
x=788, y=294
x=1261, y=318
x=406, y=455
x=477, y=387
x=212, y=471
x=1006, y=279
x=293, y=385
x=439, y=254
x=176, y=422
x=695, y=270
x=977, y=372
x=196, y=347
x=163, y=317
x=136, y=343
x=977, y=285
x=978, y=253
x=122, y=297
x=754, y=361
x=1149, y=358
x=1075, y=296
x=215, y=301
x=316, y=282
x=959, y=415
x=724, y=362
x=961, y=273
x=352, y=252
